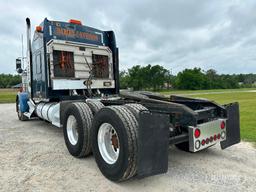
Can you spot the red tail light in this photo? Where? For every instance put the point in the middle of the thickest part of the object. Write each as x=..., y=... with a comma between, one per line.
x=197, y=133
x=219, y=136
x=222, y=125
x=215, y=137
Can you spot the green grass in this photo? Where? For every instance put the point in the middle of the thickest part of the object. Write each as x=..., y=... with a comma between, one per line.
x=8, y=95
x=247, y=102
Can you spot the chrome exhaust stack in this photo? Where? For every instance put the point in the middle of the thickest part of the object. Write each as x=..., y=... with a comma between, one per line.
x=29, y=58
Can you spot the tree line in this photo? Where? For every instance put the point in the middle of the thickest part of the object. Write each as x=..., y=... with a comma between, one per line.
x=157, y=77
x=8, y=80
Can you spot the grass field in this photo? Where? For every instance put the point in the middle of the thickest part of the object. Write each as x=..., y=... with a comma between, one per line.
x=245, y=97
x=247, y=102
x=8, y=95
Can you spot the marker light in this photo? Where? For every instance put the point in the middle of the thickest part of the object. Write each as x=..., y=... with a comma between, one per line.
x=77, y=22
x=39, y=29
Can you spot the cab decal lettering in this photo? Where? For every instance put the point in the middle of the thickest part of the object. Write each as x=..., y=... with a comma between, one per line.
x=76, y=34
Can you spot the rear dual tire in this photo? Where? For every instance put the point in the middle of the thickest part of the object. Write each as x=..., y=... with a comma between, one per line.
x=77, y=129
x=125, y=124
x=112, y=135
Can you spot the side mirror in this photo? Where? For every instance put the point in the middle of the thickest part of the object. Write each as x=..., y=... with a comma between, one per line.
x=18, y=66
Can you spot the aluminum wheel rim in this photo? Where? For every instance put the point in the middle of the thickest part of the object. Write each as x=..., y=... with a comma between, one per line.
x=72, y=130
x=108, y=143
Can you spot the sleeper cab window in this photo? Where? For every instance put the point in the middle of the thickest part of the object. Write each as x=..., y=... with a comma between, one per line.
x=63, y=62
x=100, y=68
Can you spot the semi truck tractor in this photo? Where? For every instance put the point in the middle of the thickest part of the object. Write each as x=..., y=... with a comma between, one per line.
x=71, y=80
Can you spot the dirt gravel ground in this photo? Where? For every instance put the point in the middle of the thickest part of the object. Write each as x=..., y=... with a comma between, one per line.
x=33, y=157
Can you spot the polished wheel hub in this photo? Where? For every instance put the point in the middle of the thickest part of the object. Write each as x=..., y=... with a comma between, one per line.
x=72, y=130
x=108, y=143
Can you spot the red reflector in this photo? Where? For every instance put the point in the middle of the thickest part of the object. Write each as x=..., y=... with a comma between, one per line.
x=207, y=140
x=203, y=142
x=215, y=137
x=197, y=133
x=77, y=22
x=222, y=125
x=211, y=139
x=219, y=136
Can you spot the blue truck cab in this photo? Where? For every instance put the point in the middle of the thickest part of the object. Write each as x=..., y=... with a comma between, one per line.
x=80, y=57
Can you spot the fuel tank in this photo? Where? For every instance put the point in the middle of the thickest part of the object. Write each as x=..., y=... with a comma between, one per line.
x=49, y=111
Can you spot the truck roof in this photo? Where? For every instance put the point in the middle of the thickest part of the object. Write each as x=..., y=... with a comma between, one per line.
x=71, y=31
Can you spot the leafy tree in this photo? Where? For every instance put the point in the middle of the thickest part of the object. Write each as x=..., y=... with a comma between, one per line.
x=8, y=80
x=192, y=79
x=124, y=79
x=136, y=78
x=148, y=77
x=157, y=77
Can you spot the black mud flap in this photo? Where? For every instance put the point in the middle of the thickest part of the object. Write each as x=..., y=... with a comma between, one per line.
x=233, y=126
x=153, y=144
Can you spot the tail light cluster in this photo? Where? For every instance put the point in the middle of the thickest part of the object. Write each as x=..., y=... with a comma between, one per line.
x=213, y=138
x=209, y=139
x=209, y=133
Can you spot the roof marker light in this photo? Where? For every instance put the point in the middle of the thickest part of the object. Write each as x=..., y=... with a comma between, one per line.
x=39, y=29
x=77, y=22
